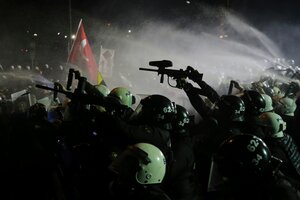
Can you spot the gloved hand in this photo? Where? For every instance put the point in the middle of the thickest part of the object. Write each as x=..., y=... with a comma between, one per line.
x=187, y=86
x=180, y=83
x=193, y=74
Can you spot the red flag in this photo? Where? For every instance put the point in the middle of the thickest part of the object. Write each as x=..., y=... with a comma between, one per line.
x=81, y=55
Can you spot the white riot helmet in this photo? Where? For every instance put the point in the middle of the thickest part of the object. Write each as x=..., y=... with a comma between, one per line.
x=287, y=106
x=123, y=95
x=277, y=92
x=269, y=103
x=273, y=124
x=144, y=161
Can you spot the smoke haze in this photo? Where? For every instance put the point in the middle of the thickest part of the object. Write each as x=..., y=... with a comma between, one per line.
x=227, y=49
x=221, y=44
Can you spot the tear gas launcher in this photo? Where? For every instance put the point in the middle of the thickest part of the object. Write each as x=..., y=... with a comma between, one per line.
x=175, y=74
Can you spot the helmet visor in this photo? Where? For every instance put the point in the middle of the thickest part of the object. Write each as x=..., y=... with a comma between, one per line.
x=128, y=162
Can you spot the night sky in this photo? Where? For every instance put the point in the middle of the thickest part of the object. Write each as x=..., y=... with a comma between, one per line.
x=21, y=19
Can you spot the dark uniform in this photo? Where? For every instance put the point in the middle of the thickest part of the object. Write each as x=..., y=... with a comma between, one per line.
x=217, y=124
x=180, y=182
x=285, y=149
x=149, y=127
x=125, y=191
x=277, y=187
x=244, y=168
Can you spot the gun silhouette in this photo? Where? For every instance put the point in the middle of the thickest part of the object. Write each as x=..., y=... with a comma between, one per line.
x=84, y=93
x=76, y=96
x=173, y=73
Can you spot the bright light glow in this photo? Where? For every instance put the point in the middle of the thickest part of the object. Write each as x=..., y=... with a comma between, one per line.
x=95, y=133
x=73, y=36
x=35, y=35
x=129, y=31
x=58, y=33
x=188, y=2
x=223, y=36
x=66, y=36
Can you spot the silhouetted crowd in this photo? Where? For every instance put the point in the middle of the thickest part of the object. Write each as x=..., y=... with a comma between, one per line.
x=89, y=143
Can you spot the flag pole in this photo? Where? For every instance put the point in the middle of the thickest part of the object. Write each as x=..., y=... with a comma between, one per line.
x=99, y=57
x=70, y=26
x=100, y=78
x=80, y=22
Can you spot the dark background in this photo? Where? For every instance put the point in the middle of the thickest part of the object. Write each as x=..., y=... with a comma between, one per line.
x=21, y=19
